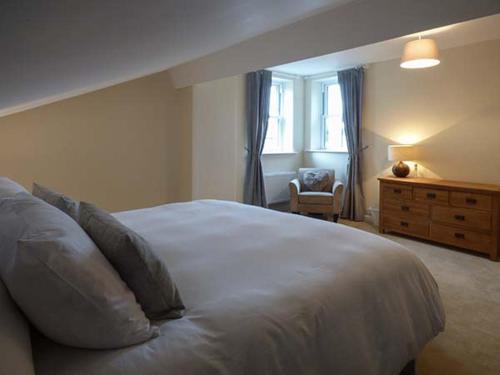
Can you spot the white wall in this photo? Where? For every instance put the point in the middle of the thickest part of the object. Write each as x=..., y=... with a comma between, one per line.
x=219, y=139
x=352, y=25
x=218, y=129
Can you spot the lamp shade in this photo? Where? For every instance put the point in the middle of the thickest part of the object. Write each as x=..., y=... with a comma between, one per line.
x=401, y=152
x=420, y=53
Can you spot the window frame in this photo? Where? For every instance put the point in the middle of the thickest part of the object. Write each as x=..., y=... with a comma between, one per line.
x=281, y=83
x=324, y=116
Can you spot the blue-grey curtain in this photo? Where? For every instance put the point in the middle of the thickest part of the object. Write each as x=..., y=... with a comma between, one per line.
x=351, y=89
x=257, y=116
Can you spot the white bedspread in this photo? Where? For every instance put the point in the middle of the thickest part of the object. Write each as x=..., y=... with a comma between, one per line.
x=271, y=293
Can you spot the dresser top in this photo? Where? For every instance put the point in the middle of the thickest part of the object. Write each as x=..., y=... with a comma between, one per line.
x=434, y=182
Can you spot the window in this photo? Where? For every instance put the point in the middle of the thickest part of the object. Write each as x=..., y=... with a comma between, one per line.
x=332, y=126
x=279, y=137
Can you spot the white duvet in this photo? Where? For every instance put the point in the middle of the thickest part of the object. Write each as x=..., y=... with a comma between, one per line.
x=271, y=293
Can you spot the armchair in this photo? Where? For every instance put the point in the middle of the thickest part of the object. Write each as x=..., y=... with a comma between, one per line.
x=327, y=202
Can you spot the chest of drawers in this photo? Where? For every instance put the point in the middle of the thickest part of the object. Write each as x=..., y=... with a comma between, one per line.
x=460, y=214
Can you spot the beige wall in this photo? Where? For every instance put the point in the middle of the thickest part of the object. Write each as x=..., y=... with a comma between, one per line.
x=120, y=147
x=219, y=139
x=451, y=111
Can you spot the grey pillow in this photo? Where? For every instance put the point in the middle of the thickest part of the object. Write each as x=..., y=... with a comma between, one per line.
x=9, y=188
x=15, y=343
x=136, y=263
x=316, y=180
x=66, y=204
x=61, y=281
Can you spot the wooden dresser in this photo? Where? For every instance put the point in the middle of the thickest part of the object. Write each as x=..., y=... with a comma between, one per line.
x=455, y=213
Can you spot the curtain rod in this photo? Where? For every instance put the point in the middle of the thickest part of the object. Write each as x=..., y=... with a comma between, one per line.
x=318, y=75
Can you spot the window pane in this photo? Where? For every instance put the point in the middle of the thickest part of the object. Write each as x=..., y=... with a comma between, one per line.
x=272, y=137
x=334, y=105
x=274, y=105
x=334, y=134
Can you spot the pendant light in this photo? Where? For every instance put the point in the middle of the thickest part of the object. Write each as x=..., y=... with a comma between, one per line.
x=420, y=53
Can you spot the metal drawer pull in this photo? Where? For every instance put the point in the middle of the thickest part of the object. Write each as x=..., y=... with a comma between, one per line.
x=404, y=224
x=397, y=191
x=460, y=236
x=471, y=201
x=405, y=208
x=460, y=217
x=431, y=195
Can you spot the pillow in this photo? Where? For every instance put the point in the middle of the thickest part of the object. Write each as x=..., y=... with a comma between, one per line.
x=316, y=180
x=9, y=188
x=62, y=282
x=15, y=343
x=66, y=204
x=145, y=274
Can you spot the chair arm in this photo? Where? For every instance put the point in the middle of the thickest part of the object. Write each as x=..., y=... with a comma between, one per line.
x=294, y=186
x=337, y=191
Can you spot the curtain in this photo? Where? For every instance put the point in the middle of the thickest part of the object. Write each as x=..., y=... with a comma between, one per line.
x=257, y=115
x=351, y=89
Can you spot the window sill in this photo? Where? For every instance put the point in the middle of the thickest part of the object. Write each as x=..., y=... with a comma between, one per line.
x=328, y=151
x=279, y=153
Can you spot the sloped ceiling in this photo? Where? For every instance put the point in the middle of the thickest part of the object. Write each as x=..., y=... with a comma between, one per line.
x=461, y=34
x=52, y=48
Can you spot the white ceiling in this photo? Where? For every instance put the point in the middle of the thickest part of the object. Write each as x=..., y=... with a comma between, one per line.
x=481, y=29
x=53, y=47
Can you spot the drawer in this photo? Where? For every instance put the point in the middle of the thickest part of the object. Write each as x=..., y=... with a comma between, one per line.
x=408, y=226
x=431, y=195
x=471, y=200
x=461, y=238
x=464, y=217
x=398, y=192
x=406, y=208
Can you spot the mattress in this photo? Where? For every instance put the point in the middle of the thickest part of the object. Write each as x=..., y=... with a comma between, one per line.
x=270, y=293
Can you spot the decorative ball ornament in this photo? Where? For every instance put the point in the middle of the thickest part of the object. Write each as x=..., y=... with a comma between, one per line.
x=400, y=169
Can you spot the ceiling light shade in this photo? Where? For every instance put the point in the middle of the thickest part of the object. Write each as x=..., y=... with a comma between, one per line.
x=420, y=53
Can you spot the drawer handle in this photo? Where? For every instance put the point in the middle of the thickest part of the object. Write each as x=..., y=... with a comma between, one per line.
x=460, y=217
x=405, y=208
x=471, y=201
x=397, y=191
x=431, y=195
x=404, y=224
x=460, y=236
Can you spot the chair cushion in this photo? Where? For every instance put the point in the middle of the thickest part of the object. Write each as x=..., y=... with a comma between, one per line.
x=316, y=179
x=315, y=197
x=9, y=188
x=66, y=204
x=62, y=282
x=145, y=274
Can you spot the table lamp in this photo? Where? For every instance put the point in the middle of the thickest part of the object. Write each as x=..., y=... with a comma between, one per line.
x=401, y=153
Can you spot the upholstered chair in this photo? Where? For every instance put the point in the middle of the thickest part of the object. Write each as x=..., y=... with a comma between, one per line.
x=316, y=191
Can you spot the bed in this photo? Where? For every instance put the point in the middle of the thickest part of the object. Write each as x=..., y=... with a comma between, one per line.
x=270, y=293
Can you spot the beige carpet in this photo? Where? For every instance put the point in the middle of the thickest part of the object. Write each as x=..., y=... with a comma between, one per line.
x=470, y=288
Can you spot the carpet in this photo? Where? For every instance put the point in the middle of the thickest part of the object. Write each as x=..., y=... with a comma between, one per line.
x=470, y=288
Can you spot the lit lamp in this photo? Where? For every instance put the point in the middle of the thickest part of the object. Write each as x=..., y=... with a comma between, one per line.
x=420, y=53
x=400, y=153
